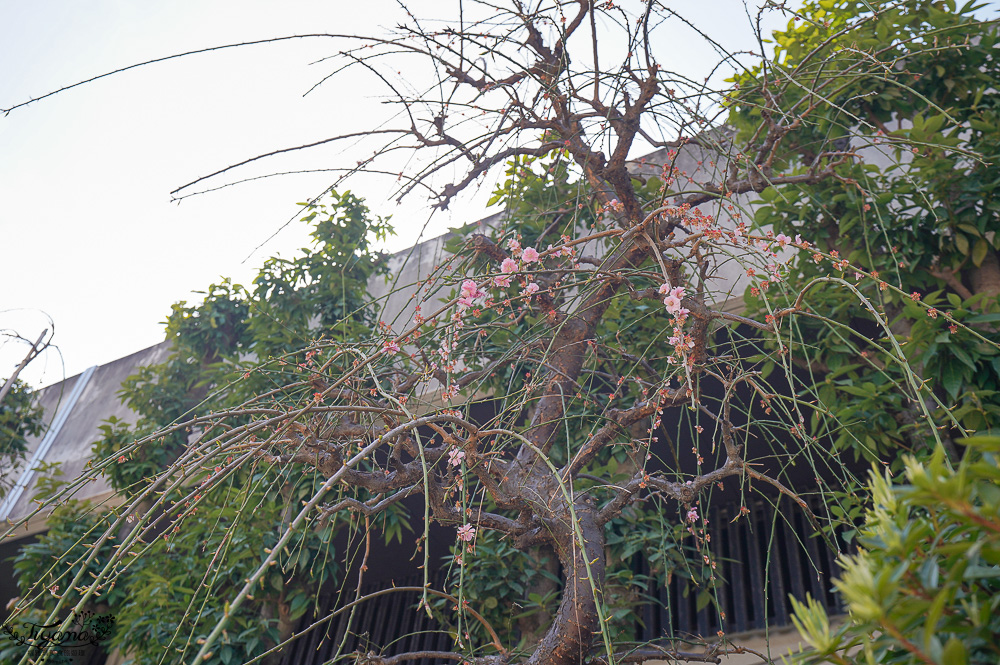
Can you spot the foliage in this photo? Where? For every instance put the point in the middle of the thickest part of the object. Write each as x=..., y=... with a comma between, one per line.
x=20, y=417
x=219, y=343
x=165, y=608
x=924, y=586
x=319, y=294
x=57, y=557
x=908, y=222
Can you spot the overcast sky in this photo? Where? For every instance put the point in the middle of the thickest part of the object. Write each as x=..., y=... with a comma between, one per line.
x=89, y=235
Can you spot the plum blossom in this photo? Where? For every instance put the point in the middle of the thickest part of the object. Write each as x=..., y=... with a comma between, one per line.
x=529, y=255
x=455, y=456
x=692, y=515
x=508, y=266
x=466, y=533
x=673, y=303
x=782, y=239
x=514, y=246
x=677, y=292
x=561, y=251
x=530, y=289
x=390, y=347
x=470, y=291
x=501, y=280
x=682, y=341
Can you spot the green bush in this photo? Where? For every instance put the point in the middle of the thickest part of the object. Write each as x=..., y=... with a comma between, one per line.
x=925, y=585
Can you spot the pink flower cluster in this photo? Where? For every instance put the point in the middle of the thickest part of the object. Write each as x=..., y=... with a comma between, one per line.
x=673, y=299
x=470, y=291
x=455, y=457
x=466, y=533
x=562, y=251
x=680, y=340
x=508, y=268
x=614, y=204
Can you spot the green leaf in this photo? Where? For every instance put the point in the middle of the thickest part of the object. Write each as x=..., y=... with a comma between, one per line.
x=983, y=318
x=954, y=652
x=979, y=251
x=962, y=243
x=951, y=378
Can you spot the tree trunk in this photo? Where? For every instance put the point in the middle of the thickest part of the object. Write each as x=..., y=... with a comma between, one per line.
x=986, y=278
x=569, y=639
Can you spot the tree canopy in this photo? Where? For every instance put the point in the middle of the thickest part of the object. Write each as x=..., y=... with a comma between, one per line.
x=574, y=384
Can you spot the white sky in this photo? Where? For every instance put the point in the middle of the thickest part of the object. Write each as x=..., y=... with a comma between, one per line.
x=88, y=235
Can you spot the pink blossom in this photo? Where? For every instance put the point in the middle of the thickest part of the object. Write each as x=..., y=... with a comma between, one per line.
x=501, y=280
x=471, y=290
x=678, y=293
x=513, y=245
x=390, y=347
x=782, y=239
x=466, y=533
x=455, y=456
x=673, y=303
x=530, y=288
x=508, y=266
x=664, y=289
x=561, y=251
x=692, y=515
x=529, y=255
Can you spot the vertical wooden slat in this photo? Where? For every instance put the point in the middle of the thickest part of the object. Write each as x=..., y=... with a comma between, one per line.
x=737, y=573
x=758, y=591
